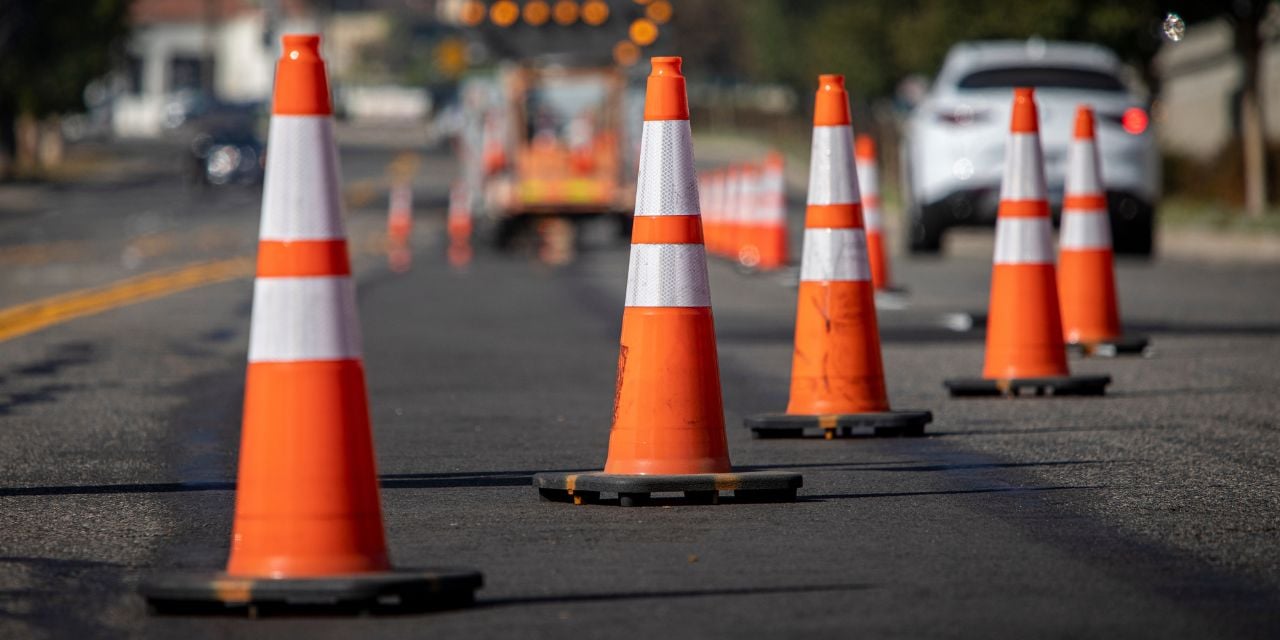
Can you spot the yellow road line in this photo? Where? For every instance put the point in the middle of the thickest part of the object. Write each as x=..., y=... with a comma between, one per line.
x=33, y=316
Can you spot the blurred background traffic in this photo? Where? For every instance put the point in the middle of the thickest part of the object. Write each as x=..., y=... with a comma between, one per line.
x=539, y=100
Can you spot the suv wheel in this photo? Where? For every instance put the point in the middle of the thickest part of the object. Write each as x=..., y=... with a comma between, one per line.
x=925, y=235
x=1132, y=225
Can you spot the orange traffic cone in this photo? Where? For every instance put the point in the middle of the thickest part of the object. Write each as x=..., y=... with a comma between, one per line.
x=399, y=227
x=749, y=222
x=719, y=208
x=308, y=525
x=869, y=183
x=1086, y=280
x=668, y=421
x=707, y=195
x=458, y=226
x=837, y=378
x=1024, y=328
x=732, y=212
x=772, y=233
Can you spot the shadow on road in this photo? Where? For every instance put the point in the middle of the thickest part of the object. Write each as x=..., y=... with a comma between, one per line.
x=953, y=492
x=864, y=466
x=63, y=356
x=1035, y=431
x=568, y=598
x=389, y=481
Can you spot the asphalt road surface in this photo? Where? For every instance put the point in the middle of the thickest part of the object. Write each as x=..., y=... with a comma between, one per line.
x=1152, y=512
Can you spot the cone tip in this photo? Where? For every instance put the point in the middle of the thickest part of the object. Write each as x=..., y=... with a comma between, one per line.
x=665, y=97
x=300, y=42
x=301, y=86
x=1024, y=111
x=831, y=107
x=665, y=66
x=1084, y=123
x=865, y=147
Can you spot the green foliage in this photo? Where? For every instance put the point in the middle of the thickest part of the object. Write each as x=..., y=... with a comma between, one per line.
x=51, y=49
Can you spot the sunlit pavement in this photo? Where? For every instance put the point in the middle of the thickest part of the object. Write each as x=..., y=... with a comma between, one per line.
x=1151, y=512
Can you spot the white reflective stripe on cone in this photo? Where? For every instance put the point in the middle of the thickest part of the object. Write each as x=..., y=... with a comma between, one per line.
x=1023, y=169
x=1024, y=241
x=300, y=199
x=831, y=169
x=304, y=319
x=835, y=255
x=1082, y=168
x=775, y=199
x=668, y=275
x=1086, y=230
x=667, y=184
x=871, y=218
x=868, y=179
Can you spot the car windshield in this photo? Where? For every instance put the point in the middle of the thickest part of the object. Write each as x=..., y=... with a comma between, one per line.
x=1042, y=77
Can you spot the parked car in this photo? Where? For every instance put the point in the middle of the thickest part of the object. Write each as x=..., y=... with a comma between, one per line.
x=227, y=155
x=953, y=149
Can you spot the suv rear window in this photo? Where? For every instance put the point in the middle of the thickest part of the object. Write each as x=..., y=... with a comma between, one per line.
x=1042, y=77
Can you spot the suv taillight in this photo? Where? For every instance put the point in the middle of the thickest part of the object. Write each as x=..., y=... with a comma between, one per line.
x=1134, y=120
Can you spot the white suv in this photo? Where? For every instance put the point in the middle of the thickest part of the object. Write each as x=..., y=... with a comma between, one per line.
x=953, y=150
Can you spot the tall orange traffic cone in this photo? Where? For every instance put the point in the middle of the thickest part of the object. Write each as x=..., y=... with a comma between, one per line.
x=1086, y=278
x=458, y=226
x=749, y=222
x=399, y=227
x=837, y=377
x=668, y=421
x=308, y=525
x=771, y=232
x=734, y=202
x=706, y=195
x=1024, y=328
x=719, y=208
x=869, y=183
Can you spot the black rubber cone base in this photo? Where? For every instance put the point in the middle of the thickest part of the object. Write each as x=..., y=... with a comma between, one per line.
x=697, y=488
x=1013, y=387
x=1122, y=346
x=388, y=592
x=880, y=425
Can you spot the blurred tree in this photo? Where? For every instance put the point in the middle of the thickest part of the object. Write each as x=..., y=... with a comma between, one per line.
x=49, y=51
x=1246, y=18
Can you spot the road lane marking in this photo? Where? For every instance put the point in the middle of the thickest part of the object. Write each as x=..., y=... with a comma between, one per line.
x=29, y=317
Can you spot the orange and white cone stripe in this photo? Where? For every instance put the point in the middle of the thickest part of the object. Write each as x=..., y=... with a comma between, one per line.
x=668, y=413
x=458, y=225
x=709, y=188
x=748, y=254
x=307, y=502
x=869, y=183
x=773, y=213
x=668, y=261
x=730, y=213
x=707, y=191
x=837, y=366
x=1086, y=277
x=1024, y=331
